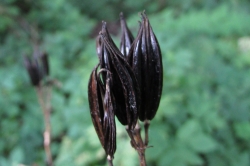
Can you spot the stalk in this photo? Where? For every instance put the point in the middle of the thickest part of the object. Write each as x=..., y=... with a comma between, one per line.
x=44, y=96
x=137, y=143
x=146, y=127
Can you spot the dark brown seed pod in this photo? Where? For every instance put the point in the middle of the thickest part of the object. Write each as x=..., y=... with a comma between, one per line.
x=126, y=88
x=102, y=108
x=109, y=127
x=33, y=71
x=126, y=38
x=145, y=59
x=95, y=104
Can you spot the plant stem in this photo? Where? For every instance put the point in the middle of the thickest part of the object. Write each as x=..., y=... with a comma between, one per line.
x=137, y=143
x=146, y=127
x=141, y=154
x=44, y=100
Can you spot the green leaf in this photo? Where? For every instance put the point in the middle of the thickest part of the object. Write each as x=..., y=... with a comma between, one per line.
x=202, y=143
x=188, y=130
x=17, y=156
x=242, y=130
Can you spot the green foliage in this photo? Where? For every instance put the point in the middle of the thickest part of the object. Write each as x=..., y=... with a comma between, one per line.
x=203, y=101
x=204, y=114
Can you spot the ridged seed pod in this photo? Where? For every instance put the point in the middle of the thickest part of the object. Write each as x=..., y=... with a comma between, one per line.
x=125, y=86
x=145, y=59
x=102, y=108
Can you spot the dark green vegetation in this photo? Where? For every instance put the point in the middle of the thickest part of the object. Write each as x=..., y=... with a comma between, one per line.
x=204, y=114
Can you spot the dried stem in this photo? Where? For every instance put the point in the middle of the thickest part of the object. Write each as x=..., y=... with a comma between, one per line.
x=137, y=143
x=146, y=127
x=44, y=95
x=110, y=160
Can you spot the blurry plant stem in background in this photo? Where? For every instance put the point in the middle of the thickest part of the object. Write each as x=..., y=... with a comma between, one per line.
x=137, y=143
x=43, y=90
x=44, y=96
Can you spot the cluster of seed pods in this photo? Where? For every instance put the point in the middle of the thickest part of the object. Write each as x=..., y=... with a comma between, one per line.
x=126, y=83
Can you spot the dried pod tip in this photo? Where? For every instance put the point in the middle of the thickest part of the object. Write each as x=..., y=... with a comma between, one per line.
x=121, y=16
x=104, y=25
x=123, y=21
x=144, y=16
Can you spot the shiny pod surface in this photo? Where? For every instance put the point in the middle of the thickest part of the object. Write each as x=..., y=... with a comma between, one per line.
x=125, y=86
x=145, y=59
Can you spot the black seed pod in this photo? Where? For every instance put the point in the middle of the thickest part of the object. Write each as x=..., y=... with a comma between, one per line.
x=146, y=61
x=125, y=86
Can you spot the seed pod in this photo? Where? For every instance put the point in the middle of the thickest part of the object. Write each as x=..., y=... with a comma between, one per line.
x=157, y=70
x=125, y=88
x=102, y=108
x=105, y=63
x=109, y=127
x=126, y=38
x=95, y=104
x=33, y=71
x=145, y=59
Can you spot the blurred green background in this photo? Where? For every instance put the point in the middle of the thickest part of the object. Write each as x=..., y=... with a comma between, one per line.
x=203, y=118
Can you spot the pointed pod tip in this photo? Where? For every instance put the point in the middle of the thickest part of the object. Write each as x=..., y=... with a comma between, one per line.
x=143, y=15
x=104, y=24
x=104, y=28
x=122, y=21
